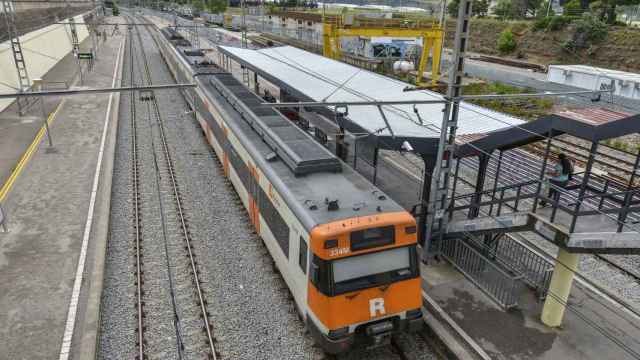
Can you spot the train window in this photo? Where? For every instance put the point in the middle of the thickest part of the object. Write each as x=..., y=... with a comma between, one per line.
x=374, y=269
x=319, y=274
x=302, y=257
x=372, y=237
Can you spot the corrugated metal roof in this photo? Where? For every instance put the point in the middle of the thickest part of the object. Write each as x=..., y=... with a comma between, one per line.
x=323, y=79
x=594, y=116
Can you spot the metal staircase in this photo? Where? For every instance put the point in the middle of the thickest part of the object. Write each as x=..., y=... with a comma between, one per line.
x=18, y=56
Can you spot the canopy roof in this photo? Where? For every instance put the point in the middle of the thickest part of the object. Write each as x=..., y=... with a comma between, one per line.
x=311, y=77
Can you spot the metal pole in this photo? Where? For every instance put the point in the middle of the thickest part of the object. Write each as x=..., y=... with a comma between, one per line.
x=375, y=165
x=483, y=161
x=37, y=83
x=442, y=173
x=454, y=187
x=3, y=219
x=98, y=90
x=427, y=177
x=629, y=195
x=542, y=171
x=443, y=19
x=583, y=186
x=496, y=179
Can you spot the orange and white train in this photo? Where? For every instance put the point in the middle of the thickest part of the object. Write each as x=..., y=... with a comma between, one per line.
x=346, y=251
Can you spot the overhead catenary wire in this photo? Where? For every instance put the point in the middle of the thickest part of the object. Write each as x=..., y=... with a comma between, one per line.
x=588, y=321
x=600, y=329
x=321, y=77
x=357, y=93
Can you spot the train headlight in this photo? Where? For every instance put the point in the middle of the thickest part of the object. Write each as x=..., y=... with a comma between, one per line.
x=414, y=314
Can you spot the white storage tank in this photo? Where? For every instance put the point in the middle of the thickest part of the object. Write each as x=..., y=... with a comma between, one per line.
x=625, y=84
x=403, y=66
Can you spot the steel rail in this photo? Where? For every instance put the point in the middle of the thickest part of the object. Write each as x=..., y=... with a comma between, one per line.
x=181, y=216
x=136, y=207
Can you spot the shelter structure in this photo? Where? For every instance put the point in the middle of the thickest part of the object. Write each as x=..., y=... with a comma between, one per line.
x=595, y=213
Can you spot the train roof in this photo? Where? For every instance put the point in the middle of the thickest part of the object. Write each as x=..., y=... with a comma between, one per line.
x=306, y=195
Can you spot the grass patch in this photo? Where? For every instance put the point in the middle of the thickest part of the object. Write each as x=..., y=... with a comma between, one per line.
x=525, y=108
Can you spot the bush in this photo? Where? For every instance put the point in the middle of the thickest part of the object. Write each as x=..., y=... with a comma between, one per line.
x=115, y=10
x=594, y=29
x=573, y=7
x=504, y=9
x=506, y=42
x=588, y=30
x=542, y=23
x=558, y=22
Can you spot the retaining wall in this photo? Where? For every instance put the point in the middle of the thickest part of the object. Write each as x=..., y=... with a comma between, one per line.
x=42, y=49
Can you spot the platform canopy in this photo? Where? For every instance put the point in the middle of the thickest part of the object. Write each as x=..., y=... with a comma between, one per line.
x=311, y=77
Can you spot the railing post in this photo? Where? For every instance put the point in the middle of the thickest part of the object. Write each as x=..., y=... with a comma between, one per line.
x=604, y=190
x=483, y=161
x=542, y=171
x=500, y=202
x=583, y=186
x=453, y=192
x=496, y=179
x=555, y=207
x=622, y=217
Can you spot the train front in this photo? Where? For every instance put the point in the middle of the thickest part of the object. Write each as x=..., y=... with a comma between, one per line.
x=364, y=281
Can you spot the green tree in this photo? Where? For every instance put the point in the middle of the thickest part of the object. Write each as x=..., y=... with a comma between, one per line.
x=198, y=5
x=504, y=9
x=217, y=6
x=479, y=8
x=573, y=8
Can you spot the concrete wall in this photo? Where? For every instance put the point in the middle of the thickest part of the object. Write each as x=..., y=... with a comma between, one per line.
x=42, y=49
x=592, y=78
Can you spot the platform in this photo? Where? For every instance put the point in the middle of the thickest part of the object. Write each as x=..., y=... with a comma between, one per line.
x=518, y=333
x=57, y=204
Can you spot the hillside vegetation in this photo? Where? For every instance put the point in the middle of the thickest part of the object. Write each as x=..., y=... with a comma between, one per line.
x=619, y=49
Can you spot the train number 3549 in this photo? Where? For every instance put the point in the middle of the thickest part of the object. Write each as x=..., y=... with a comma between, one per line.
x=338, y=251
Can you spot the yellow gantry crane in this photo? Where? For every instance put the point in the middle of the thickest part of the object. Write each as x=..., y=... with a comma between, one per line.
x=335, y=27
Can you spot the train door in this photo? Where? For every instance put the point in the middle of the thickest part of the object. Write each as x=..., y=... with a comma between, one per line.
x=299, y=265
x=254, y=210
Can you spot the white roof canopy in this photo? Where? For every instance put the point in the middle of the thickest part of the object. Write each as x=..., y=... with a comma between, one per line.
x=323, y=79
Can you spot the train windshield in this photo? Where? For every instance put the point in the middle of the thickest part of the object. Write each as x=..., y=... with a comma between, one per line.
x=374, y=269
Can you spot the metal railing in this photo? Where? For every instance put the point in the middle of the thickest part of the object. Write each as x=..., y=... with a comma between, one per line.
x=604, y=197
x=519, y=260
x=500, y=286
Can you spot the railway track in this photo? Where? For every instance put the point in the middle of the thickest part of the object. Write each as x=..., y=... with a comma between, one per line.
x=617, y=163
x=166, y=259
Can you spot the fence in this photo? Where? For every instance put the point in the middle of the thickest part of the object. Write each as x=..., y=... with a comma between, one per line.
x=500, y=286
x=519, y=260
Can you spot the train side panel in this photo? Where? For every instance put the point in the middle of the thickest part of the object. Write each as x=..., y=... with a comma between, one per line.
x=276, y=224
